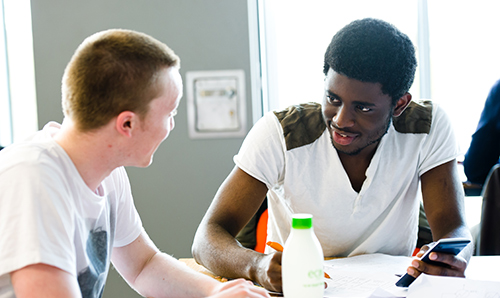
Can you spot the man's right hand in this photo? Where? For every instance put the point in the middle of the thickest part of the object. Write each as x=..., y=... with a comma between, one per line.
x=269, y=272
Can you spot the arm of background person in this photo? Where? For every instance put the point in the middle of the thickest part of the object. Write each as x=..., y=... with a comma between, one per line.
x=484, y=149
x=215, y=246
x=155, y=274
x=443, y=198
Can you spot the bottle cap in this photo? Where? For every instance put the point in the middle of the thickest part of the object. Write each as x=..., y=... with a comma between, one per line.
x=302, y=221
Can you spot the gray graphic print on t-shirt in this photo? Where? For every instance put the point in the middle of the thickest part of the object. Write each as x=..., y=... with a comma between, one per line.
x=93, y=278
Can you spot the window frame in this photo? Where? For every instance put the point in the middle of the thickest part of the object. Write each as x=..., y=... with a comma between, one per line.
x=18, y=118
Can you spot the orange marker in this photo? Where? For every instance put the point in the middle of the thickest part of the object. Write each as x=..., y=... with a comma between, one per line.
x=278, y=247
x=275, y=245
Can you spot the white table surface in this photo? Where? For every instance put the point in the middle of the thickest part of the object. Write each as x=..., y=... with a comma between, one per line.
x=484, y=268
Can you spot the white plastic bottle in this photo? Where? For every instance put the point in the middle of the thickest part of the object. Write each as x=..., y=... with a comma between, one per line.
x=302, y=261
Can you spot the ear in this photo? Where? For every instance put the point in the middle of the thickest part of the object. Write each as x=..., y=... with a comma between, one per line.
x=126, y=122
x=401, y=104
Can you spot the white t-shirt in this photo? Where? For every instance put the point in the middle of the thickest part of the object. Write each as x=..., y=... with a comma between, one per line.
x=49, y=215
x=382, y=217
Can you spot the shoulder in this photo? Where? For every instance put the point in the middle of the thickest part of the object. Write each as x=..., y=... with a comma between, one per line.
x=495, y=89
x=27, y=154
x=37, y=166
x=302, y=124
x=118, y=181
x=492, y=104
x=416, y=118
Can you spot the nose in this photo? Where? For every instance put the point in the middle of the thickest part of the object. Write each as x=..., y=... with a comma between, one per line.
x=343, y=117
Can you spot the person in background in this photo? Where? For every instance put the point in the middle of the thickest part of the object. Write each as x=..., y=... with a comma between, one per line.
x=484, y=150
x=67, y=208
x=358, y=162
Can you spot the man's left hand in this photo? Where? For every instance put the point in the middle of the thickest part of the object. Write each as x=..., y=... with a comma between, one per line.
x=451, y=265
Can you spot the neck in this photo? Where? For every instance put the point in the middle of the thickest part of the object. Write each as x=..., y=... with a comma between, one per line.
x=364, y=156
x=89, y=152
x=356, y=165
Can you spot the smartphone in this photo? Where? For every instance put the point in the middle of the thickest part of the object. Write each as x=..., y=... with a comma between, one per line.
x=447, y=245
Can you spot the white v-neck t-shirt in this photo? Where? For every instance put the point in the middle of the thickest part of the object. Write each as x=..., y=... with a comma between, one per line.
x=381, y=218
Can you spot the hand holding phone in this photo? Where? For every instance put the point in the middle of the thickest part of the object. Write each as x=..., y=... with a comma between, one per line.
x=447, y=245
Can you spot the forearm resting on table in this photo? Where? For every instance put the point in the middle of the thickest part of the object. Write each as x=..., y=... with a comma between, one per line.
x=222, y=254
x=215, y=246
x=164, y=276
x=156, y=274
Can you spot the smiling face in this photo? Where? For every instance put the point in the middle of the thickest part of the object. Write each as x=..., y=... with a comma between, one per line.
x=159, y=120
x=357, y=114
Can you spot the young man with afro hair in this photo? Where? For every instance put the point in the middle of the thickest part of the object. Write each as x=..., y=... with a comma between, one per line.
x=358, y=162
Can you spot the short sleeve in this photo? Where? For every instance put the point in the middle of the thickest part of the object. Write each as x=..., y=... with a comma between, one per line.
x=262, y=154
x=441, y=145
x=128, y=221
x=36, y=219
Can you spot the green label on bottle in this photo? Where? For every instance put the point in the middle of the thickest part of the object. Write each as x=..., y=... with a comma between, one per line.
x=315, y=274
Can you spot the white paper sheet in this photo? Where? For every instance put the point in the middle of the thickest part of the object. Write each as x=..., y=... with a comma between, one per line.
x=430, y=286
x=365, y=276
x=374, y=276
x=381, y=293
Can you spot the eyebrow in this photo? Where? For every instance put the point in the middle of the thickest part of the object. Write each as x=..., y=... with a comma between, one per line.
x=357, y=102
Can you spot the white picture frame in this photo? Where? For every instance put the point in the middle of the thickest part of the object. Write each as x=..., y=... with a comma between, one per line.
x=216, y=103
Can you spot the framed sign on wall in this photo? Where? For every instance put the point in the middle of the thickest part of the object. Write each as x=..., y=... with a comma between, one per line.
x=216, y=103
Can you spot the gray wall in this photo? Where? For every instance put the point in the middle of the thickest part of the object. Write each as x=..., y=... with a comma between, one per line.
x=174, y=192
